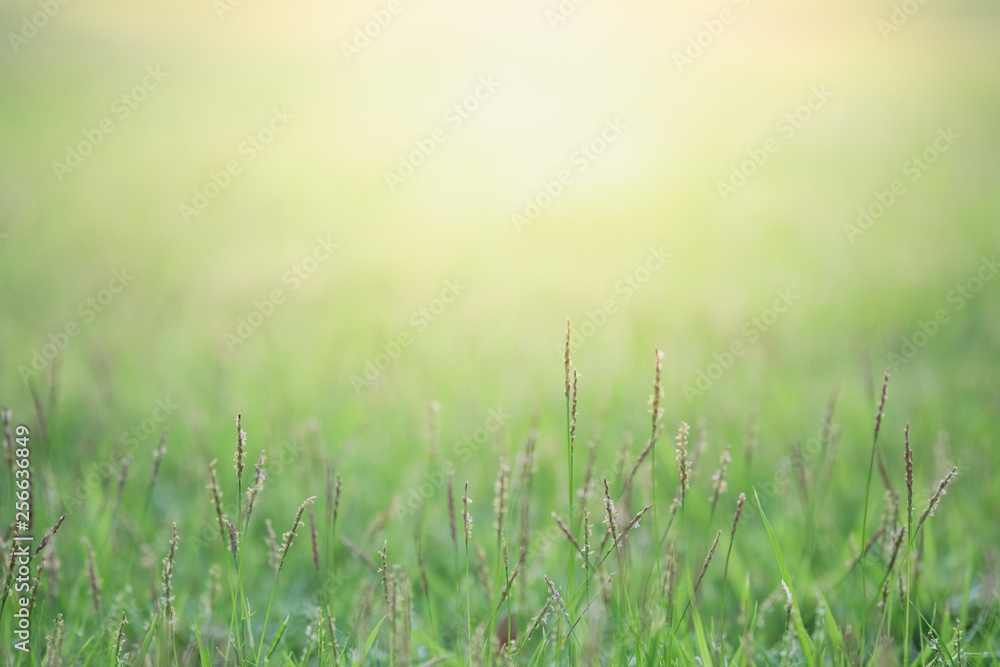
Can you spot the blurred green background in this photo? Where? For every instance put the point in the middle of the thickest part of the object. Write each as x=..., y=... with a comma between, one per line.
x=656, y=185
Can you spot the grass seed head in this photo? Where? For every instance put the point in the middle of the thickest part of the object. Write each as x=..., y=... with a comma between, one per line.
x=258, y=484
x=93, y=577
x=898, y=535
x=572, y=412
x=719, y=477
x=312, y=538
x=332, y=630
x=908, y=458
x=49, y=535
x=234, y=537
x=119, y=638
x=881, y=403
x=654, y=399
x=739, y=510
x=217, y=498
x=683, y=466
x=566, y=360
x=788, y=605
x=384, y=571
x=554, y=593
x=935, y=499
x=241, y=448
x=126, y=466
x=634, y=523
x=467, y=515
x=538, y=620
x=287, y=538
x=500, y=494
x=53, y=643
x=569, y=536
x=336, y=499
x=158, y=454
x=168, y=572
x=708, y=560
x=611, y=514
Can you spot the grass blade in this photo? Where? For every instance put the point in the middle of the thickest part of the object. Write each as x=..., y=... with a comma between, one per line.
x=804, y=640
x=370, y=641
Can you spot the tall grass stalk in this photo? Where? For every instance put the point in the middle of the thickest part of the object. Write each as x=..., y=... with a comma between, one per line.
x=864, y=517
x=908, y=460
x=725, y=569
x=654, y=402
x=571, y=398
x=467, y=519
x=286, y=543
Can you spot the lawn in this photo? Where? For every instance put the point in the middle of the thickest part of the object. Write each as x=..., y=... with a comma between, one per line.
x=358, y=231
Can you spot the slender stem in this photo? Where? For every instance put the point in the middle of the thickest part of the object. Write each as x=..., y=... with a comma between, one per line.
x=239, y=566
x=864, y=518
x=468, y=603
x=509, y=621
x=725, y=575
x=656, y=524
x=263, y=632
x=864, y=532
x=569, y=463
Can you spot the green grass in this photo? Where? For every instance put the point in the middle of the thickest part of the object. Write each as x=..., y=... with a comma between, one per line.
x=626, y=613
x=159, y=360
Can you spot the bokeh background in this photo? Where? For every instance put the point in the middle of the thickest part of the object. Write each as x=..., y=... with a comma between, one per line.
x=356, y=115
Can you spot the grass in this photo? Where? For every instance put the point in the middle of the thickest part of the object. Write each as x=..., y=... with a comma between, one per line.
x=391, y=564
x=625, y=609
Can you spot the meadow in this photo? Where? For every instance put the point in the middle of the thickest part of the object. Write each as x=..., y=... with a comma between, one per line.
x=536, y=333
